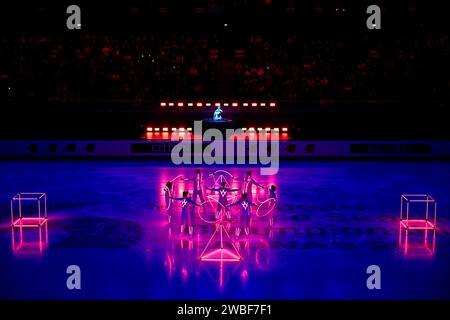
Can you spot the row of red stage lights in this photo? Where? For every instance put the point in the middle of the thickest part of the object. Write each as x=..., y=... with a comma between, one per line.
x=217, y=104
x=183, y=129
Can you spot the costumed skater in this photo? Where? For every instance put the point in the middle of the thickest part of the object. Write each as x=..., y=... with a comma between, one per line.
x=198, y=186
x=272, y=195
x=244, y=216
x=223, y=200
x=186, y=217
x=247, y=185
x=168, y=193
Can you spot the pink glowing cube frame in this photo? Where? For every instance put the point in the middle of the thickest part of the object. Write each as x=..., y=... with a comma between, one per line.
x=407, y=200
x=29, y=221
x=416, y=246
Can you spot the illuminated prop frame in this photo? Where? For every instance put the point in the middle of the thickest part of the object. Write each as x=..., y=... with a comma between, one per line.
x=406, y=201
x=22, y=221
x=24, y=246
x=271, y=204
x=423, y=246
x=221, y=254
x=221, y=177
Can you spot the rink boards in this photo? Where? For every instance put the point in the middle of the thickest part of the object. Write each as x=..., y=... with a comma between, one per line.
x=163, y=148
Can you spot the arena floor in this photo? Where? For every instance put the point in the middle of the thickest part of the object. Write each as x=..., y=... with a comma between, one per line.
x=333, y=220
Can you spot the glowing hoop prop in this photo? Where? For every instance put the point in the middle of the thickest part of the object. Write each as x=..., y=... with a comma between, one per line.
x=210, y=198
x=258, y=195
x=170, y=192
x=271, y=205
x=221, y=177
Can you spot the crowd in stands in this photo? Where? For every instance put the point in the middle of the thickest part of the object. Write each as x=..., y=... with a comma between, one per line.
x=288, y=66
x=331, y=69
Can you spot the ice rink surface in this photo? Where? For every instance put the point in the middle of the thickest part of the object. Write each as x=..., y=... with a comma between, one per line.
x=333, y=220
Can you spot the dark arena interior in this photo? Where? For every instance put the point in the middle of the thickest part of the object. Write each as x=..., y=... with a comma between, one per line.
x=95, y=99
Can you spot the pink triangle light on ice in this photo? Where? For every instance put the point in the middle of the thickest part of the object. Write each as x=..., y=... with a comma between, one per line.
x=221, y=249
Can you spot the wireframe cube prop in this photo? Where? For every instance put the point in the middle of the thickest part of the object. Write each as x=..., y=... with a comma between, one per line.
x=418, y=245
x=30, y=243
x=19, y=219
x=407, y=201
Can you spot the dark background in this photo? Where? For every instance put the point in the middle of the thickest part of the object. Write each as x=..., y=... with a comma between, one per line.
x=410, y=102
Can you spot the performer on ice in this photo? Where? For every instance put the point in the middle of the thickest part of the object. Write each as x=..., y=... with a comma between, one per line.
x=198, y=186
x=247, y=185
x=272, y=195
x=223, y=200
x=272, y=192
x=244, y=216
x=186, y=216
x=168, y=193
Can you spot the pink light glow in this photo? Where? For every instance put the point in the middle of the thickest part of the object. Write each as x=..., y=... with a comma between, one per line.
x=33, y=247
x=417, y=246
x=417, y=224
x=262, y=255
x=224, y=250
x=184, y=274
x=29, y=222
x=221, y=254
x=169, y=263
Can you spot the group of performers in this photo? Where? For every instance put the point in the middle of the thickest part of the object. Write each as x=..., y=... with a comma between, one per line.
x=222, y=212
